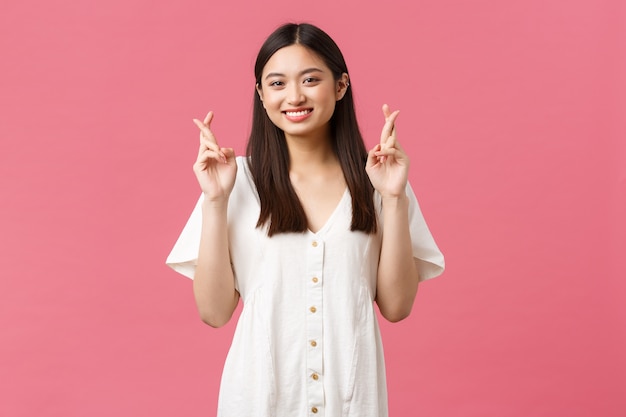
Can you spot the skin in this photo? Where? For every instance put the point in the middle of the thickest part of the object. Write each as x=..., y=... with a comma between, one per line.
x=296, y=79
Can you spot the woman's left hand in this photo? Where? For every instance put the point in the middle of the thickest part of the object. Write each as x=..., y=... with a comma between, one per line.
x=387, y=163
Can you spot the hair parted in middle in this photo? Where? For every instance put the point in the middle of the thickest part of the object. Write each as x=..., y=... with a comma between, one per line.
x=268, y=155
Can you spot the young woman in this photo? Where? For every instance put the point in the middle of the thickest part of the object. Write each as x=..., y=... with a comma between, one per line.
x=309, y=229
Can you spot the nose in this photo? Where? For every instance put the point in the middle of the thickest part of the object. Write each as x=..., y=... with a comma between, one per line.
x=294, y=94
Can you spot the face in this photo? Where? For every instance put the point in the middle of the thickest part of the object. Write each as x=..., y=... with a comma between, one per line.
x=299, y=92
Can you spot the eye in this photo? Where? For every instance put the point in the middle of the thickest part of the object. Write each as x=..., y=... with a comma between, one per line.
x=310, y=80
x=276, y=84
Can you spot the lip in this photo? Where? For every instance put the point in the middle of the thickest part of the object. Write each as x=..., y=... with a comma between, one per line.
x=298, y=114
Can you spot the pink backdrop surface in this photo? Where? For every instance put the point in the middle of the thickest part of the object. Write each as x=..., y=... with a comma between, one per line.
x=513, y=113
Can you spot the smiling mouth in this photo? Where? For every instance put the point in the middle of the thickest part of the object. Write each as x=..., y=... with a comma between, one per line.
x=298, y=113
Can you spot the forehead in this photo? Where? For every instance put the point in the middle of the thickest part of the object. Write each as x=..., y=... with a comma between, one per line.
x=293, y=59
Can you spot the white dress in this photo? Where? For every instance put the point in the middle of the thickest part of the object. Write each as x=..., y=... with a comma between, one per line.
x=307, y=342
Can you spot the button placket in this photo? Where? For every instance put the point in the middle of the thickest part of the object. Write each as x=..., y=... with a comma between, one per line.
x=314, y=327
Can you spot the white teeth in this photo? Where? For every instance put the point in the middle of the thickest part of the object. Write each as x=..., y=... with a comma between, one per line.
x=297, y=113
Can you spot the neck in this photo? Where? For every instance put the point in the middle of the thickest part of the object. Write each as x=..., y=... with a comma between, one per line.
x=305, y=153
x=313, y=164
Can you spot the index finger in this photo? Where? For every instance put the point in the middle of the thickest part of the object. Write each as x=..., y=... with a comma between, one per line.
x=205, y=128
x=208, y=118
x=389, y=128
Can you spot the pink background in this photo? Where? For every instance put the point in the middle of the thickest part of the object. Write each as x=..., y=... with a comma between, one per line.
x=513, y=113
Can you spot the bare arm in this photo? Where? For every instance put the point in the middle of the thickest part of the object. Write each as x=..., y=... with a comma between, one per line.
x=214, y=282
x=397, y=281
x=398, y=278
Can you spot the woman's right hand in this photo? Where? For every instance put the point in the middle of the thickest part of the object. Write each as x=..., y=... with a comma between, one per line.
x=215, y=167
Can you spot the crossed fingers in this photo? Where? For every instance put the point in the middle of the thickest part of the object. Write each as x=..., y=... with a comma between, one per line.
x=208, y=144
x=388, y=142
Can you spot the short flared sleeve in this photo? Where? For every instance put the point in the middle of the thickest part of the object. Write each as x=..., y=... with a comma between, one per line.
x=242, y=206
x=428, y=258
x=184, y=255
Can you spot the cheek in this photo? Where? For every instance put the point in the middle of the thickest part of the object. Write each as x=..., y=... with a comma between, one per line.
x=272, y=108
x=271, y=102
x=328, y=96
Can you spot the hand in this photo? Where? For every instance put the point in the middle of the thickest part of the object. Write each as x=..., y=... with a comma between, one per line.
x=215, y=167
x=387, y=164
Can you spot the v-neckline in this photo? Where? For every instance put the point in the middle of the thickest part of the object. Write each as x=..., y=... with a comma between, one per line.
x=332, y=216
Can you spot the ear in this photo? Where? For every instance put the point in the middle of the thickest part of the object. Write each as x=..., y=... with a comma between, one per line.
x=259, y=91
x=342, y=85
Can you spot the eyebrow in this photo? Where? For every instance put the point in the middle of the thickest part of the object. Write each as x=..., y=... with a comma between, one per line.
x=306, y=71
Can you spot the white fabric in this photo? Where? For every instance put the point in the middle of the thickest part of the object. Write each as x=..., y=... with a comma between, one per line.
x=273, y=367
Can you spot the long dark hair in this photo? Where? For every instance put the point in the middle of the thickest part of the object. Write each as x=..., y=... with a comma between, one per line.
x=267, y=152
